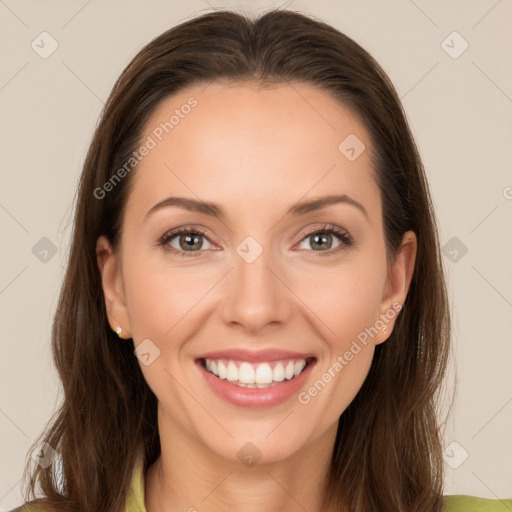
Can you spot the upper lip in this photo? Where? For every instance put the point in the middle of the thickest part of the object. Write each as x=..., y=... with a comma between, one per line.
x=241, y=354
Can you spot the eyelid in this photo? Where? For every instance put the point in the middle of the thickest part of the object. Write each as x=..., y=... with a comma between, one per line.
x=321, y=227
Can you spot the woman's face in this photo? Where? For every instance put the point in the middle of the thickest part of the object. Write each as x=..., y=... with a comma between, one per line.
x=259, y=286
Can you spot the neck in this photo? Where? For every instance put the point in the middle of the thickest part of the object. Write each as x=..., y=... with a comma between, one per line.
x=189, y=477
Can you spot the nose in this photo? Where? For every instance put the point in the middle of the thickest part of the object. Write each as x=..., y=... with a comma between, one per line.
x=256, y=296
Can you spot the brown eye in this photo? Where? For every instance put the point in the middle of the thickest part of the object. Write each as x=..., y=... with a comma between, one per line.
x=189, y=241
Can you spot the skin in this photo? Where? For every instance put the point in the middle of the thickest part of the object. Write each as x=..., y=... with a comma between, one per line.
x=255, y=152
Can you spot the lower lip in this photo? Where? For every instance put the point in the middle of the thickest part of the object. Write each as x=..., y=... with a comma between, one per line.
x=256, y=397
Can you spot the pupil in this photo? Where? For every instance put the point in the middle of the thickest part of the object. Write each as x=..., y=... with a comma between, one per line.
x=324, y=238
x=191, y=240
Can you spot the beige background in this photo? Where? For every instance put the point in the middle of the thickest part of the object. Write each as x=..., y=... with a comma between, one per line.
x=460, y=111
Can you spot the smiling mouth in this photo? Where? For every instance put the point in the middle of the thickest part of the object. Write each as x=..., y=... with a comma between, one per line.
x=256, y=375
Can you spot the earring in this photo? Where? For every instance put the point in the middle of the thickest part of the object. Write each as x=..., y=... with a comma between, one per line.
x=384, y=329
x=118, y=331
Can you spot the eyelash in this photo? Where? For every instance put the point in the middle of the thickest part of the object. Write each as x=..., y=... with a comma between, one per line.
x=345, y=238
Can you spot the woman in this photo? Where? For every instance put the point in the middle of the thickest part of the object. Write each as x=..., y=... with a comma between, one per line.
x=209, y=358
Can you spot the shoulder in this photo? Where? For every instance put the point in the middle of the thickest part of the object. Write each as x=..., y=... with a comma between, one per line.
x=463, y=503
x=453, y=503
x=134, y=498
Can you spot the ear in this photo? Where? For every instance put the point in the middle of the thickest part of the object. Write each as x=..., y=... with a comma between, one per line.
x=397, y=286
x=113, y=289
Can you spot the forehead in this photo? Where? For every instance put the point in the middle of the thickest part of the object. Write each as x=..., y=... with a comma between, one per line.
x=242, y=141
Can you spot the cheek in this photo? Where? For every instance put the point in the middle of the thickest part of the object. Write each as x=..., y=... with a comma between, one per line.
x=346, y=299
x=346, y=303
x=159, y=297
x=349, y=307
x=164, y=305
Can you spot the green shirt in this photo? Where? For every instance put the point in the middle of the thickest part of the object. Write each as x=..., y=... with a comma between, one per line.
x=456, y=503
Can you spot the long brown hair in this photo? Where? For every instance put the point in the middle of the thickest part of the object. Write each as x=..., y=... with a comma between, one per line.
x=387, y=455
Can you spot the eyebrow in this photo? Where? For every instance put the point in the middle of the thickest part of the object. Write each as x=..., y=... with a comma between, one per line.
x=297, y=209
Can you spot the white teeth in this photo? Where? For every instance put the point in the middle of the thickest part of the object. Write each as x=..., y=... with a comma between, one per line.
x=263, y=374
x=299, y=366
x=245, y=373
x=289, y=371
x=255, y=376
x=232, y=371
x=222, y=370
x=278, y=373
